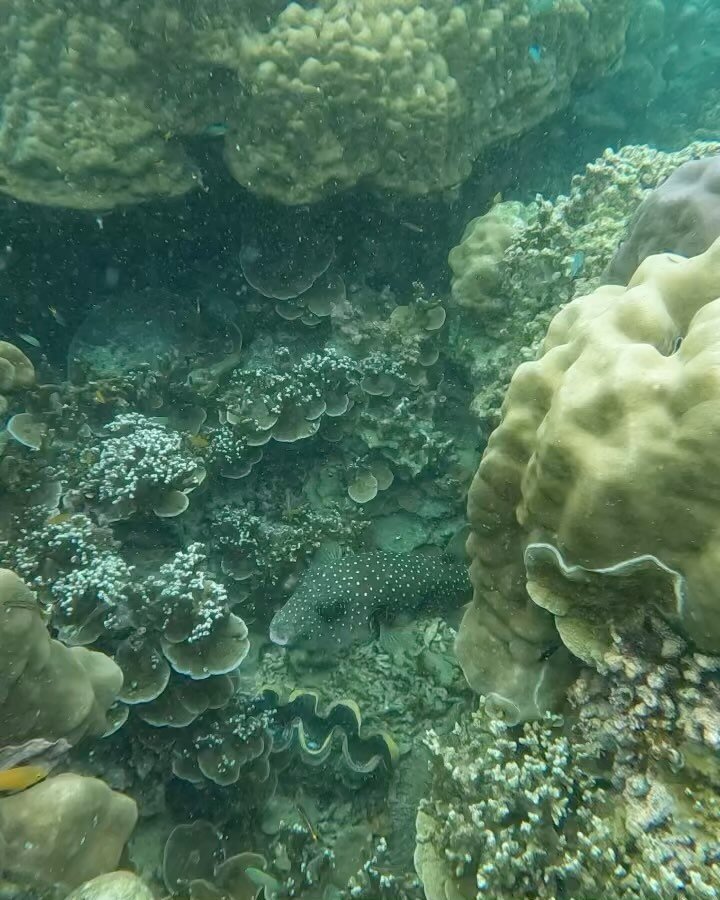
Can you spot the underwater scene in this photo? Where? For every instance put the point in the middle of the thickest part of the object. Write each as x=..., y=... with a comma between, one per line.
x=359, y=449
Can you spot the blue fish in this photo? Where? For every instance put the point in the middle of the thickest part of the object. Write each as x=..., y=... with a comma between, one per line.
x=535, y=52
x=577, y=264
x=215, y=129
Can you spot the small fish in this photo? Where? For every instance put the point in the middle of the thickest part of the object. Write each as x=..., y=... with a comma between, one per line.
x=29, y=339
x=535, y=52
x=21, y=777
x=216, y=129
x=411, y=226
x=58, y=316
x=577, y=264
x=306, y=821
x=99, y=397
x=498, y=198
x=198, y=441
x=59, y=518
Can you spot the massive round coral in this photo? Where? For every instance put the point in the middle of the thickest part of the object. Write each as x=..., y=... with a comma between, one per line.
x=99, y=104
x=598, y=495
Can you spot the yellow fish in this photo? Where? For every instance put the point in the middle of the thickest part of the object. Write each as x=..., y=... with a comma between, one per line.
x=198, y=441
x=21, y=777
x=59, y=518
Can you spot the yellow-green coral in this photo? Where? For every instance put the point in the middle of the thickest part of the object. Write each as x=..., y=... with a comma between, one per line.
x=401, y=93
x=475, y=262
x=48, y=690
x=597, y=497
x=16, y=372
x=97, y=106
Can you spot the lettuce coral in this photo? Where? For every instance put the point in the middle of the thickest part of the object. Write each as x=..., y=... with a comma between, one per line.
x=597, y=497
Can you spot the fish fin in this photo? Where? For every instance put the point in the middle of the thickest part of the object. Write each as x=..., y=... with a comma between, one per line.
x=456, y=545
x=327, y=553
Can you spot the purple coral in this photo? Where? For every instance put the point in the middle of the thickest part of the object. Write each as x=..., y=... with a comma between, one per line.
x=682, y=216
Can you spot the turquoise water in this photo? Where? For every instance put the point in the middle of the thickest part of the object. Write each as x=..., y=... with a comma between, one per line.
x=359, y=428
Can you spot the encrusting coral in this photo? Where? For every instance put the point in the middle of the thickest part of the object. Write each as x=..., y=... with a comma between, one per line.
x=600, y=484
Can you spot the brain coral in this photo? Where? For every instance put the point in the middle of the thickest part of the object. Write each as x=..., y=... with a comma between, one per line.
x=598, y=494
x=312, y=98
x=682, y=215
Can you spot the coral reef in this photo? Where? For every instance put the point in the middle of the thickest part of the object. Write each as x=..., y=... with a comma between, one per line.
x=597, y=484
x=680, y=216
x=448, y=80
x=562, y=251
x=16, y=373
x=50, y=692
x=342, y=601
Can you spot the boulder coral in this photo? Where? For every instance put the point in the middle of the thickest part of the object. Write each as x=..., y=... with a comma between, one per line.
x=475, y=262
x=47, y=690
x=16, y=372
x=68, y=828
x=682, y=215
x=596, y=501
x=99, y=104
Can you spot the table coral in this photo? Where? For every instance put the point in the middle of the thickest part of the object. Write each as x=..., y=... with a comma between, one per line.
x=98, y=106
x=595, y=500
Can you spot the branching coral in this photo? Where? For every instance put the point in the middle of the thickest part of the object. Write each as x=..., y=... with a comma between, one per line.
x=140, y=464
x=511, y=815
x=525, y=812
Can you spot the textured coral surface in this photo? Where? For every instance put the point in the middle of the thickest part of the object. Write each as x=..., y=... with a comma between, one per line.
x=602, y=477
x=99, y=102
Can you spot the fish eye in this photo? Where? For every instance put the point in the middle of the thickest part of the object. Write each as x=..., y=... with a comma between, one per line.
x=332, y=611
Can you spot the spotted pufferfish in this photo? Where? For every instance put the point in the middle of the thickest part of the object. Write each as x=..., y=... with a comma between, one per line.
x=342, y=601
